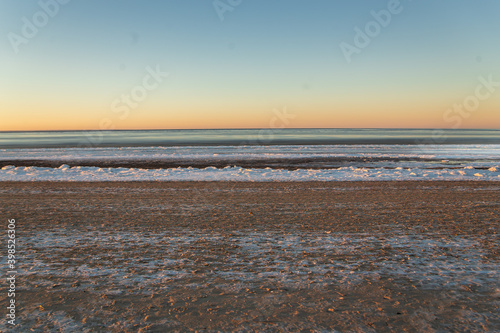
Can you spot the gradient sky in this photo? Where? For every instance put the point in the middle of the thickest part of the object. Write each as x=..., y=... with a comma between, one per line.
x=263, y=58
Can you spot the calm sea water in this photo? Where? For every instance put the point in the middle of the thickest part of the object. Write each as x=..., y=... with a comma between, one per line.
x=251, y=155
x=232, y=137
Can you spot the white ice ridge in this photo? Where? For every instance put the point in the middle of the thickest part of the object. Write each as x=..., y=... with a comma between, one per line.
x=66, y=173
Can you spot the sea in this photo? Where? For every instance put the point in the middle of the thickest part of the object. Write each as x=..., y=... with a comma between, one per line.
x=251, y=155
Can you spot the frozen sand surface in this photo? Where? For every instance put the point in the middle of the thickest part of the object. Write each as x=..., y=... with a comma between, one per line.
x=369, y=256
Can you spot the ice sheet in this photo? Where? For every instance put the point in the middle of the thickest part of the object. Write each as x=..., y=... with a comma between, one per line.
x=65, y=173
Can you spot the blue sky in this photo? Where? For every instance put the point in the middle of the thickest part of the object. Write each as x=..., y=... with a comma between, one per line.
x=263, y=55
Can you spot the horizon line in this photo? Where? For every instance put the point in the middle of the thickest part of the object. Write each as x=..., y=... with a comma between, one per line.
x=256, y=128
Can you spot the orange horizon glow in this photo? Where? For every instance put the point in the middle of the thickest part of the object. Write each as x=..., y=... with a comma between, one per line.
x=251, y=117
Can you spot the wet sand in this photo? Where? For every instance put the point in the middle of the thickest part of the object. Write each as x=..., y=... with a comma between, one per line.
x=223, y=256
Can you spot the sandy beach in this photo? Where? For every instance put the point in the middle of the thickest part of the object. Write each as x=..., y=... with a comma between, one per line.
x=224, y=256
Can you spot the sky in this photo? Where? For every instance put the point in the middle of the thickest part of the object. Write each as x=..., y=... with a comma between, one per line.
x=173, y=64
